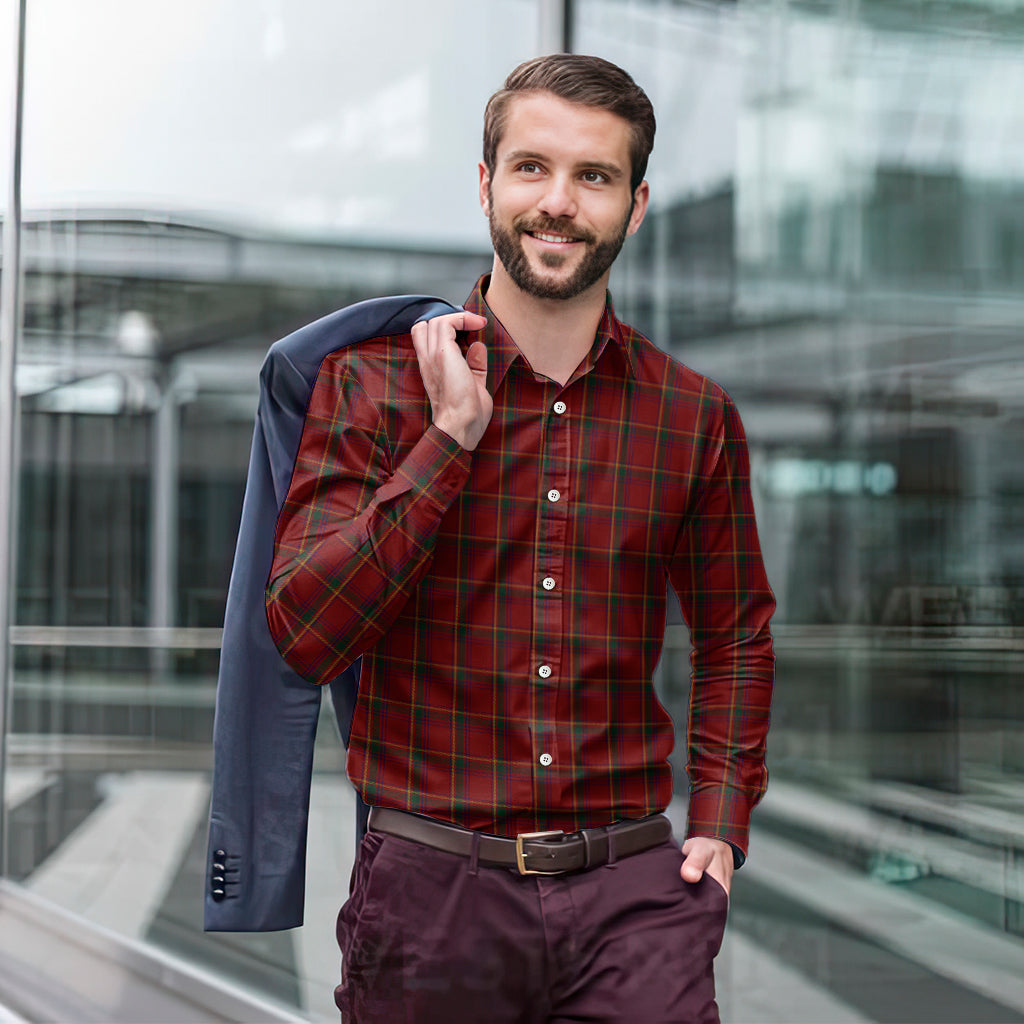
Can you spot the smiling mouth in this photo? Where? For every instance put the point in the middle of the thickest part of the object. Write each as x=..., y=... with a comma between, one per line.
x=546, y=237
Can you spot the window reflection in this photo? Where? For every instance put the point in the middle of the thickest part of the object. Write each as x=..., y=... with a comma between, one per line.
x=199, y=180
x=836, y=236
x=854, y=282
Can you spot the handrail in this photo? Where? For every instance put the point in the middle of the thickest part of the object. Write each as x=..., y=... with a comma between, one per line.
x=167, y=637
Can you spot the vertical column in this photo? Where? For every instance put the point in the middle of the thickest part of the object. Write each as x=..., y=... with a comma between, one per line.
x=664, y=288
x=979, y=534
x=163, y=547
x=10, y=310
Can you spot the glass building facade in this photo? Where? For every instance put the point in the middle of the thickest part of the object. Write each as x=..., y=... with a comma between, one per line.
x=836, y=235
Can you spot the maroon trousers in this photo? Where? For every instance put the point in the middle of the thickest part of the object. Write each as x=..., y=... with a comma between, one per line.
x=429, y=937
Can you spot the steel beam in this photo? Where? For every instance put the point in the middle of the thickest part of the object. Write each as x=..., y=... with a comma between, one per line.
x=10, y=323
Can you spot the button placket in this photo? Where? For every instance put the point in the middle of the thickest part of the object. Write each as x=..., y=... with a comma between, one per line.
x=548, y=620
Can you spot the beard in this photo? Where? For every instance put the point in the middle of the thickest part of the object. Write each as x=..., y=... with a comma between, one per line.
x=599, y=255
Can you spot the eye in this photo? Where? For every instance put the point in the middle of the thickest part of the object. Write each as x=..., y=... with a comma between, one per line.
x=594, y=177
x=529, y=167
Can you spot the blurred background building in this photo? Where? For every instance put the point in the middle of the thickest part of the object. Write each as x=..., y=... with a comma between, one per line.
x=836, y=236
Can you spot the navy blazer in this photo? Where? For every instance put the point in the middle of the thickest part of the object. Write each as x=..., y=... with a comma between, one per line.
x=266, y=714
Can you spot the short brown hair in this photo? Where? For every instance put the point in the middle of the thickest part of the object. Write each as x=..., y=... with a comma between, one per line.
x=577, y=78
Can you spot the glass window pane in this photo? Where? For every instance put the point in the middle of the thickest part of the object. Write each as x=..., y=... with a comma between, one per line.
x=836, y=237
x=351, y=120
x=200, y=178
x=8, y=23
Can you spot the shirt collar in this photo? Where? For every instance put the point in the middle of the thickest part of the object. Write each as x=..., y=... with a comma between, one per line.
x=502, y=351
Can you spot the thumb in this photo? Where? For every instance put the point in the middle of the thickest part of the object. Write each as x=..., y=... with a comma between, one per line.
x=477, y=358
x=694, y=863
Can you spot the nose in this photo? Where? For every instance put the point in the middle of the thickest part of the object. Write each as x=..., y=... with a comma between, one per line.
x=559, y=198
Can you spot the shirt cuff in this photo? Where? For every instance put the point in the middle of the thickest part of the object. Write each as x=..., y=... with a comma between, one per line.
x=721, y=812
x=437, y=467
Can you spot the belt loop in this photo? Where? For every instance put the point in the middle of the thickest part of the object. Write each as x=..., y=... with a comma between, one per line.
x=587, y=852
x=474, y=854
x=611, y=848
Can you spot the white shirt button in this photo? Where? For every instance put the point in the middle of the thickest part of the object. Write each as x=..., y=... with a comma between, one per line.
x=553, y=495
x=548, y=583
x=544, y=671
x=545, y=759
x=559, y=407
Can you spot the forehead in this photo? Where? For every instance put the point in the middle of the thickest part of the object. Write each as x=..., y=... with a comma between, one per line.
x=542, y=123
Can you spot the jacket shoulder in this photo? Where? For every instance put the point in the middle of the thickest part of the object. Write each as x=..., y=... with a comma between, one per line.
x=371, y=318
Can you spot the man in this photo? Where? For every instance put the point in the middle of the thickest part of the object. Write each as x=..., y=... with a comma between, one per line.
x=488, y=512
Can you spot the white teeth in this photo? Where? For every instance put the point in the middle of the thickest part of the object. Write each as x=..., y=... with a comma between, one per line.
x=551, y=238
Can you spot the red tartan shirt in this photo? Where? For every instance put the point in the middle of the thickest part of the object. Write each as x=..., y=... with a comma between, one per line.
x=509, y=603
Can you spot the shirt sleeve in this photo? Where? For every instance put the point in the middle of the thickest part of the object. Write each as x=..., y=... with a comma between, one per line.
x=718, y=573
x=356, y=533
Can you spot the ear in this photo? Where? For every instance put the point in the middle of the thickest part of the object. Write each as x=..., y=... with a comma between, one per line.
x=485, y=182
x=640, y=199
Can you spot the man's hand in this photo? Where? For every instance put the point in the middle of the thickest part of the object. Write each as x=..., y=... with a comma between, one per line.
x=456, y=386
x=701, y=854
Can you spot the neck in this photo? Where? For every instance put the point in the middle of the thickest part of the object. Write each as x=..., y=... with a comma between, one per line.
x=554, y=335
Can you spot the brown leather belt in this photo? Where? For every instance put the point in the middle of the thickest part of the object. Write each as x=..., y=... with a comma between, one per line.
x=530, y=853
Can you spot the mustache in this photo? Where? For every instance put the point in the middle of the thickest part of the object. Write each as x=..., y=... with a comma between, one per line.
x=552, y=226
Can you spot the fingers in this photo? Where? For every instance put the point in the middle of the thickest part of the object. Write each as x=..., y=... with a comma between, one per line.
x=456, y=385
x=470, y=321
x=433, y=339
x=448, y=324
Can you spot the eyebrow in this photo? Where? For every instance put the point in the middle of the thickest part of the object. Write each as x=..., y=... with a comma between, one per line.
x=613, y=171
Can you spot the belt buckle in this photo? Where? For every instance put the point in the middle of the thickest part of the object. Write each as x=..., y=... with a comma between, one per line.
x=521, y=856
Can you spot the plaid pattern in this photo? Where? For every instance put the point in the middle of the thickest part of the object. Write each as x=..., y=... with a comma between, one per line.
x=509, y=603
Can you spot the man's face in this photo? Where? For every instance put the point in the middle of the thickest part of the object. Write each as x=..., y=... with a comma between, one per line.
x=559, y=203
